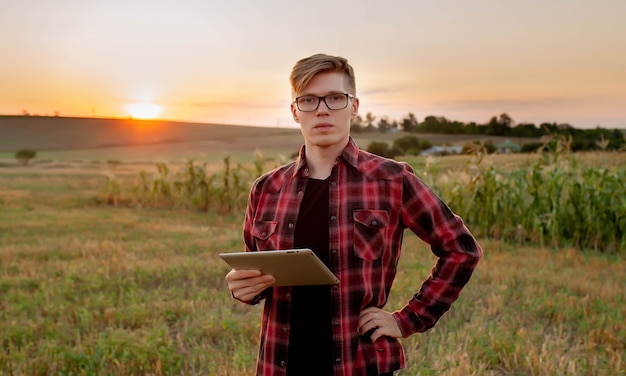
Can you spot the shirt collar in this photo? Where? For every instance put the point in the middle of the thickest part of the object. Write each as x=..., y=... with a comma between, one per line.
x=350, y=154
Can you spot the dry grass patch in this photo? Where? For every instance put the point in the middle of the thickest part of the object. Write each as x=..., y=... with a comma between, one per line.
x=529, y=311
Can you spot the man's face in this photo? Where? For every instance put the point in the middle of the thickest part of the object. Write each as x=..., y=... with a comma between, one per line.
x=325, y=127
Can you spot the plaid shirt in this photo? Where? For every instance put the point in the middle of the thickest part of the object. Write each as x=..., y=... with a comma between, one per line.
x=372, y=201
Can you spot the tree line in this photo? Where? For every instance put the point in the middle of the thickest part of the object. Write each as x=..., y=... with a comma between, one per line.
x=503, y=125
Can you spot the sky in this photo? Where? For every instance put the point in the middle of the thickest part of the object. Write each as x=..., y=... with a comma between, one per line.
x=228, y=62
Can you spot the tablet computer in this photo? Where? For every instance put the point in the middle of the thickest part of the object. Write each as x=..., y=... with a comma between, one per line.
x=290, y=267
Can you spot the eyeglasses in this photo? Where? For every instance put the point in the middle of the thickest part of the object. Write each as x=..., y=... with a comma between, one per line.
x=335, y=101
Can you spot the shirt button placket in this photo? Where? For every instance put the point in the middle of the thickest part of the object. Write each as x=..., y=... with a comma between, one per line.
x=335, y=253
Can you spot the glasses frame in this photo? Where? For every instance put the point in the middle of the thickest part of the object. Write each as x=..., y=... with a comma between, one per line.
x=323, y=98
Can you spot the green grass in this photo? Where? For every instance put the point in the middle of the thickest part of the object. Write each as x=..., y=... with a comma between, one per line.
x=88, y=289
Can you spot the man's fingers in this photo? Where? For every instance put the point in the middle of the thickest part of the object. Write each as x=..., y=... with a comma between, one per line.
x=237, y=274
x=366, y=316
x=375, y=323
x=246, y=284
x=257, y=284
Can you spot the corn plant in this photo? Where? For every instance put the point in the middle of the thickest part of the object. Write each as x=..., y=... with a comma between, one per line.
x=112, y=192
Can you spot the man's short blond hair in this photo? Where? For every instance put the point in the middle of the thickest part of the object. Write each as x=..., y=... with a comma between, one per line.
x=305, y=69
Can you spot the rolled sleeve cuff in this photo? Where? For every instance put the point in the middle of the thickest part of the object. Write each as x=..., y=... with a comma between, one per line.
x=254, y=300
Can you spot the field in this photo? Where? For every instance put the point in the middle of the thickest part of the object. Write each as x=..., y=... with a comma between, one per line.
x=88, y=288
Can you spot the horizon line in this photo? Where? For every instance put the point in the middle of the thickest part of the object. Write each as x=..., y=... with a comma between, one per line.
x=93, y=117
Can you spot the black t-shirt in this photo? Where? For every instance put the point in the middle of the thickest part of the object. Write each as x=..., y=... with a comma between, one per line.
x=311, y=337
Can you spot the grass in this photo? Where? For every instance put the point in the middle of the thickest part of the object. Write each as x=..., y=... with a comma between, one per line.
x=88, y=289
x=533, y=311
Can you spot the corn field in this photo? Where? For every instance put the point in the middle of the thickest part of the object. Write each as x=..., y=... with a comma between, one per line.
x=554, y=202
x=192, y=187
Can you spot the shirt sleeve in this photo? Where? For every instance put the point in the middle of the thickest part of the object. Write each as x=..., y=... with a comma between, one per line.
x=248, y=238
x=457, y=251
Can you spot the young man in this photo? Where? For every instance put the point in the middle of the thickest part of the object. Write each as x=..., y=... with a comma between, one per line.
x=351, y=207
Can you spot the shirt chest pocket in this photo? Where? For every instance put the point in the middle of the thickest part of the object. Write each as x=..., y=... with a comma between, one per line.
x=264, y=235
x=369, y=233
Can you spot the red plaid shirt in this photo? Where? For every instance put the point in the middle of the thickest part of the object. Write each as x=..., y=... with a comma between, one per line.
x=372, y=201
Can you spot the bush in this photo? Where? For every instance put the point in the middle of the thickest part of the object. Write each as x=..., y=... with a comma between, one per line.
x=531, y=147
x=411, y=145
x=25, y=155
x=383, y=149
x=425, y=144
x=407, y=143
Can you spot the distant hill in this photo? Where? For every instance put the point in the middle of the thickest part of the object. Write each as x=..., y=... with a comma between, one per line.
x=42, y=133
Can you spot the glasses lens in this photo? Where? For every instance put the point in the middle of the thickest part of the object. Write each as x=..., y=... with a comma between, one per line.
x=307, y=103
x=336, y=101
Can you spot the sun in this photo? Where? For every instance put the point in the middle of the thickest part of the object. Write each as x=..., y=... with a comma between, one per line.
x=144, y=110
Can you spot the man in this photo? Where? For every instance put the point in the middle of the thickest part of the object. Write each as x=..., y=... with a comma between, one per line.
x=351, y=208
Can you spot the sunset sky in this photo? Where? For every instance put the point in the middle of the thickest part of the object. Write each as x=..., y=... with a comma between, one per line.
x=228, y=62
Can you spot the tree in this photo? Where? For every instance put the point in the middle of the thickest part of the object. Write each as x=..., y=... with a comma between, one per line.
x=383, y=125
x=25, y=155
x=617, y=140
x=394, y=126
x=357, y=124
x=432, y=124
x=500, y=126
x=369, y=121
x=506, y=120
x=525, y=130
x=409, y=124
